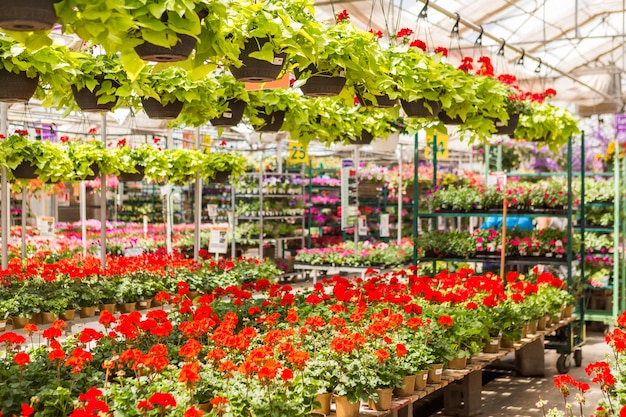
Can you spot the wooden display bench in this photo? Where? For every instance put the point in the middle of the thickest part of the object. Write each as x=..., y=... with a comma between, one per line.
x=463, y=387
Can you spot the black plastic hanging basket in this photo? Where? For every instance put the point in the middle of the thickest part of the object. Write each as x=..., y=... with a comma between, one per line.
x=509, y=127
x=156, y=53
x=273, y=121
x=365, y=139
x=322, y=84
x=88, y=100
x=155, y=110
x=133, y=176
x=27, y=15
x=443, y=116
x=16, y=88
x=232, y=116
x=25, y=171
x=255, y=70
x=419, y=108
x=96, y=172
x=383, y=102
x=221, y=177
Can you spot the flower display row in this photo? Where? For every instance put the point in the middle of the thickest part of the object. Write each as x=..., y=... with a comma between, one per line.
x=363, y=254
x=39, y=285
x=264, y=348
x=548, y=196
x=524, y=243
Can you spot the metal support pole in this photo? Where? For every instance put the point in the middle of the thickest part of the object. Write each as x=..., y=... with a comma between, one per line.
x=197, y=205
x=486, y=155
x=357, y=164
x=261, y=207
x=415, y=198
x=279, y=156
x=233, y=222
x=83, y=215
x=499, y=158
x=24, y=209
x=103, y=200
x=399, y=191
x=6, y=228
x=616, y=241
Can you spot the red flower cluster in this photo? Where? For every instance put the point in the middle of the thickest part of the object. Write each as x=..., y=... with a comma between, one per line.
x=342, y=16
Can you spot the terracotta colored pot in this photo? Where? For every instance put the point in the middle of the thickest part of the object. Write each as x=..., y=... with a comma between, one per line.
x=407, y=388
x=69, y=315
x=126, y=308
x=324, y=400
x=19, y=322
x=345, y=408
x=85, y=312
x=492, y=345
x=434, y=373
x=458, y=363
x=144, y=304
x=107, y=307
x=384, y=399
x=421, y=380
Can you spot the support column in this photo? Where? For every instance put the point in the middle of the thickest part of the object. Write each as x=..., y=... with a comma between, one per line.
x=83, y=215
x=197, y=205
x=6, y=229
x=103, y=200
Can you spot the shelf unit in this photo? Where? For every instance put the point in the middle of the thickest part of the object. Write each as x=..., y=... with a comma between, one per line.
x=266, y=215
x=572, y=337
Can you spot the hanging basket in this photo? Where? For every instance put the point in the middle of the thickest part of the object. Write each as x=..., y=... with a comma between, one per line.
x=419, y=108
x=221, y=177
x=88, y=100
x=16, y=88
x=273, y=121
x=255, y=70
x=509, y=127
x=96, y=172
x=133, y=176
x=443, y=116
x=232, y=116
x=365, y=139
x=369, y=188
x=386, y=145
x=27, y=15
x=155, y=110
x=25, y=171
x=155, y=53
x=322, y=84
x=382, y=102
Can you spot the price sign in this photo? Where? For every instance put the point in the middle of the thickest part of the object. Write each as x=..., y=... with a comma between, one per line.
x=218, y=239
x=384, y=225
x=362, y=226
x=297, y=154
x=212, y=209
x=46, y=226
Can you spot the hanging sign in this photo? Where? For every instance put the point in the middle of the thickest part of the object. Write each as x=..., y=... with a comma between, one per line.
x=218, y=239
x=363, y=226
x=297, y=154
x=442, y=145
x=212, y=210
x=384, y=225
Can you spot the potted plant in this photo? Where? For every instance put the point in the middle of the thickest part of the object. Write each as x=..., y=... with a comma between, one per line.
x=27, y=158
x=155, y=31
x=93, y=82
x=550, y=125
x=91, y=158
x=142, y=160
x=267, y=108
x=219, y=166
x=183, y=165
x=165, y=91
x=232, y=99
x=21, y=69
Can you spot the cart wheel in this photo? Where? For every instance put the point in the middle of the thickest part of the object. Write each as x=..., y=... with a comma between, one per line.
x=578, y=357
x=563, y=364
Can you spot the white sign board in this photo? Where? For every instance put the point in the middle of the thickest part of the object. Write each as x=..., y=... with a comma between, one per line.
x=46, y=226
x=384, y=225
x=218, y=239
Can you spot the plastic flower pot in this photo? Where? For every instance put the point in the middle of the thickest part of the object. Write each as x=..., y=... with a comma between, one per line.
x=156, y=53
x=16, y=88
x=255, y=70
x=27, y=15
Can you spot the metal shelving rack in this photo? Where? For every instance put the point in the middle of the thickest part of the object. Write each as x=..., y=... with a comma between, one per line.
x=570, y=338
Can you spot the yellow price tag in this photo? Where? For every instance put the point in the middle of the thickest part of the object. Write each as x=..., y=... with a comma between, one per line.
x=442, y=146
x=297, y=154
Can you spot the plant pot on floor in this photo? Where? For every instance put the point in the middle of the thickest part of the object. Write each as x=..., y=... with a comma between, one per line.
x=48, y=317
x=88, y=100
x=27, y=15
x=68, y=315
x=3, y=325
x=322, y=84
x=255, y=70
x=156, y=53
x=232, y=116
x=273, y=121
x=110, y=307
x=144, y=304
x=155, y=110
x=16, y=87
x=420, y=108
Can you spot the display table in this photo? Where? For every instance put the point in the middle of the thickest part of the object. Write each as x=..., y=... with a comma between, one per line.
x=313, y=270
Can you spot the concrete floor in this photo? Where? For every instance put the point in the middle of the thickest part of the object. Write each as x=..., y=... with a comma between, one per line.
x=512, y=396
